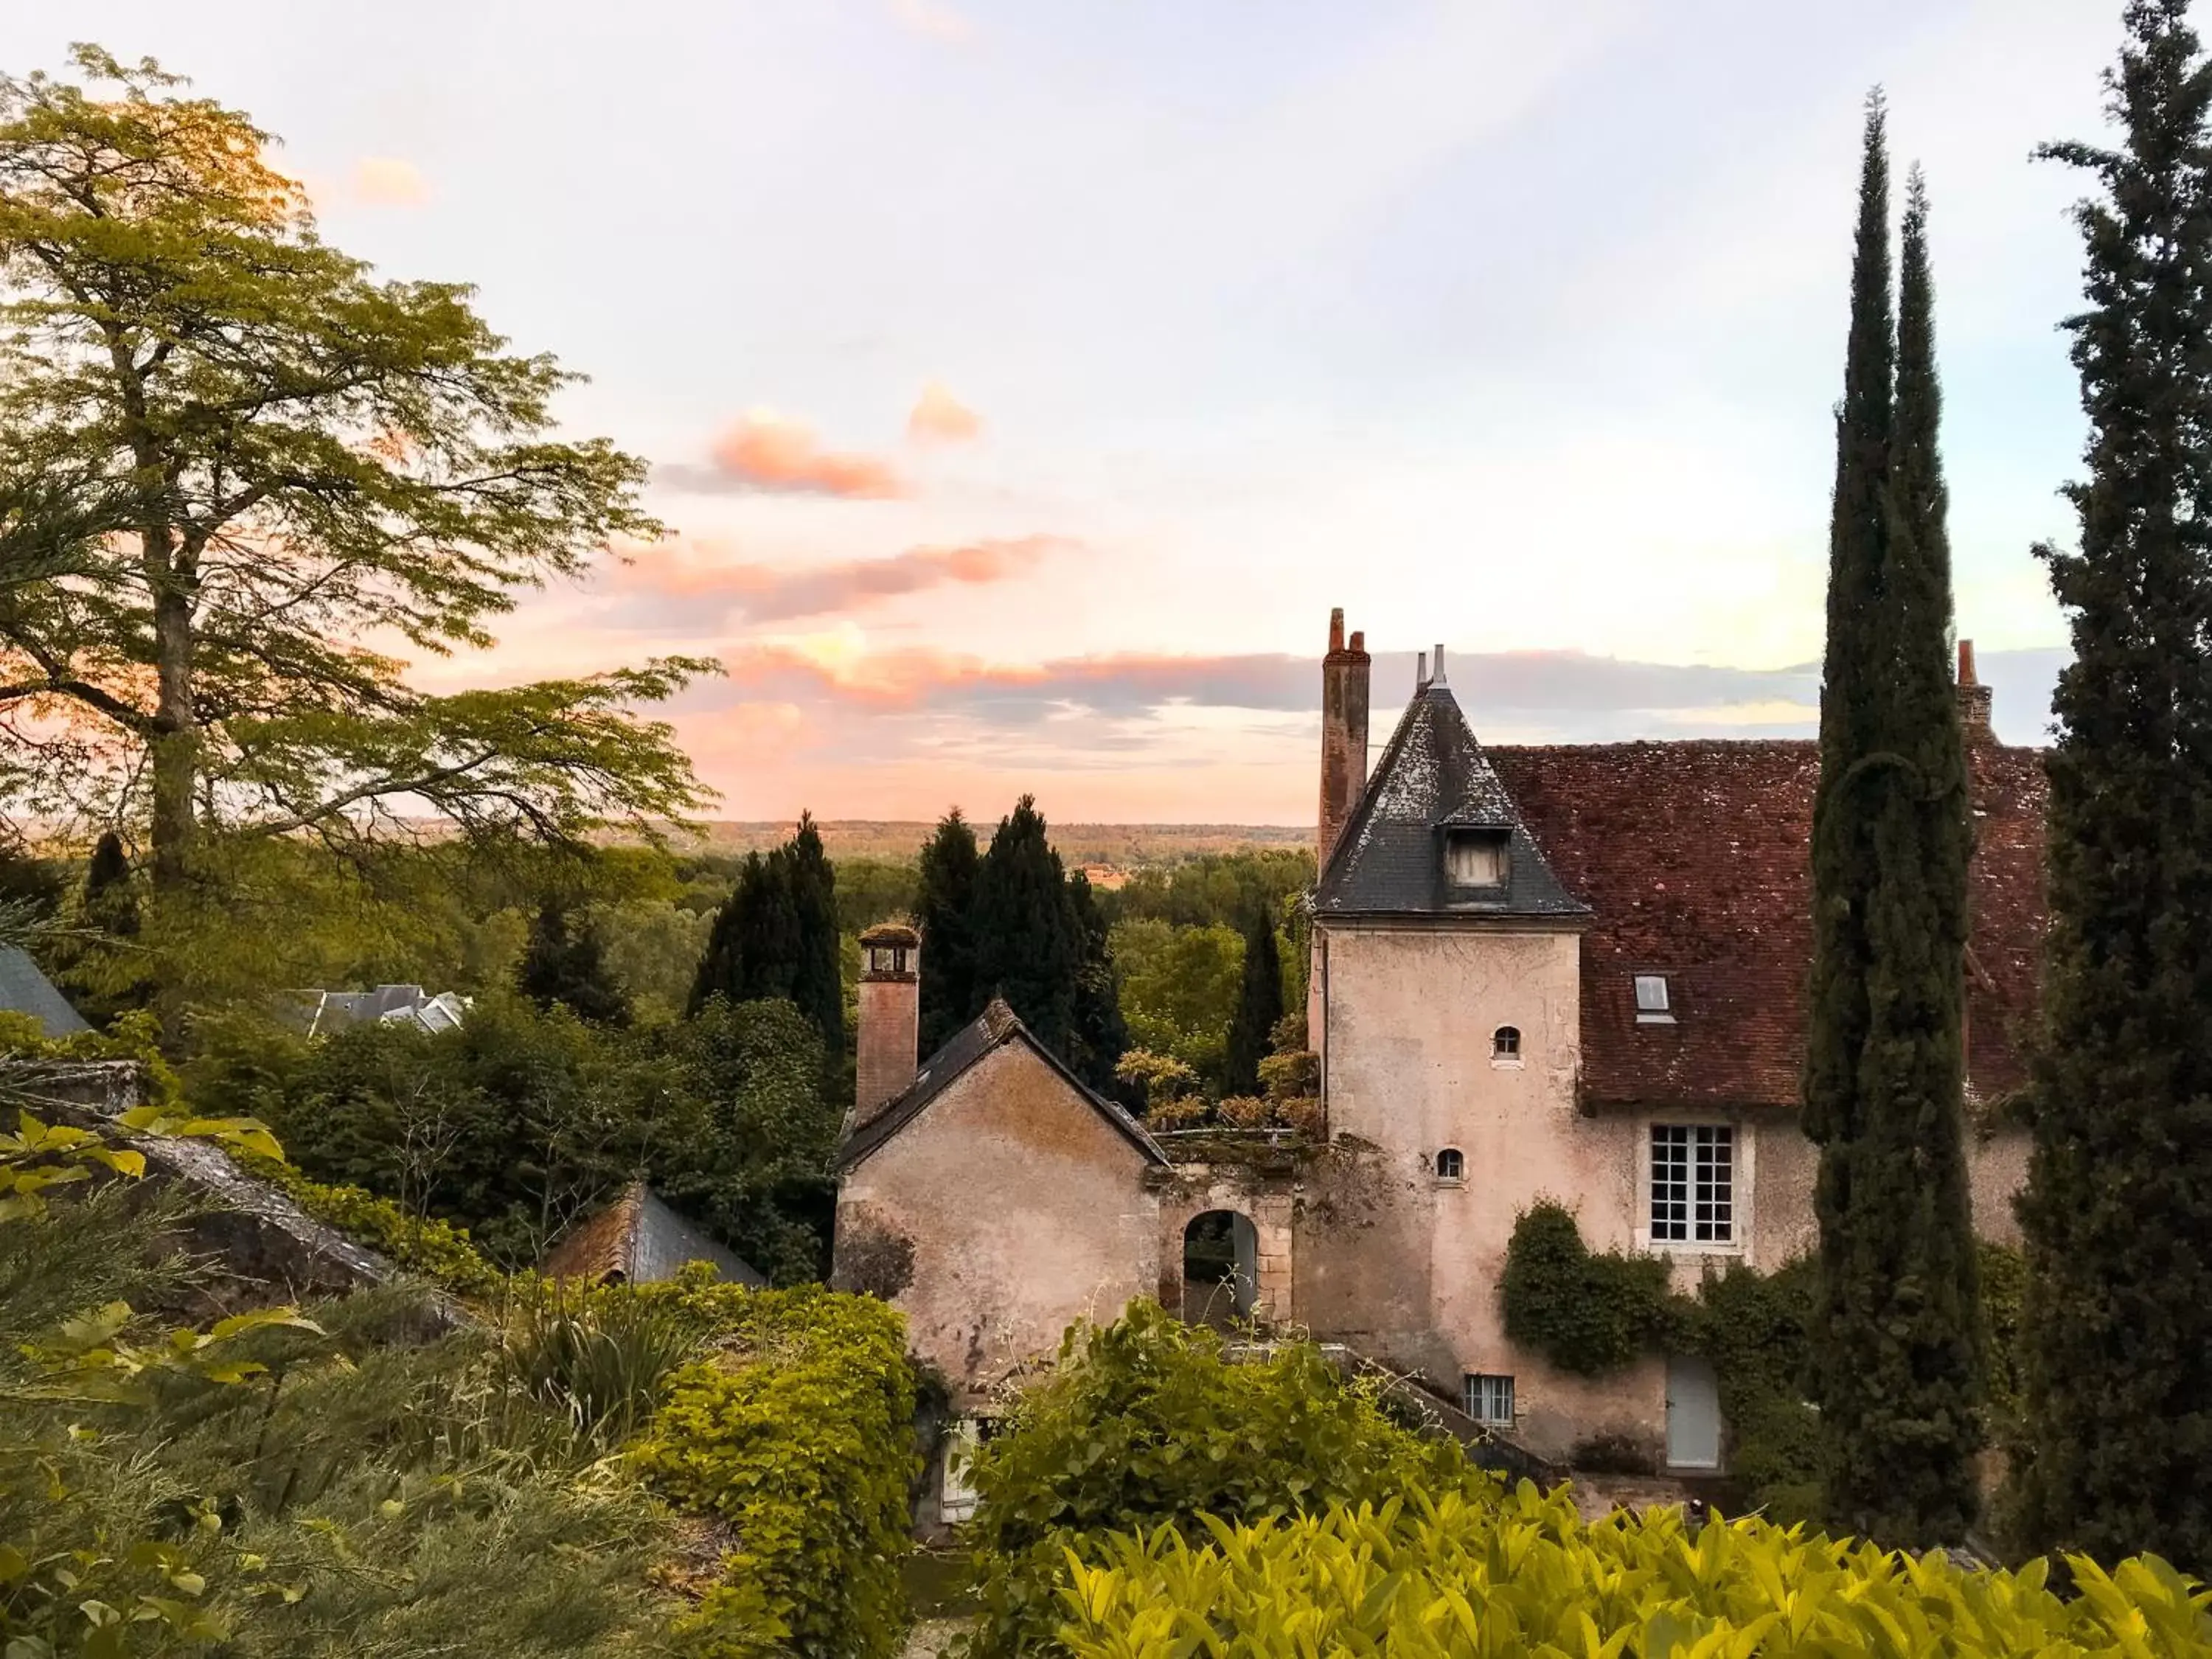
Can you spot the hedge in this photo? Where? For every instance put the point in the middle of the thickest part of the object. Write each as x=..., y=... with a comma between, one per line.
x=797, y=1433
x=1463, y=1575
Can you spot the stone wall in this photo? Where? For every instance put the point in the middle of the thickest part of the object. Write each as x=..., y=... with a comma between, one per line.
x=1008, y=1209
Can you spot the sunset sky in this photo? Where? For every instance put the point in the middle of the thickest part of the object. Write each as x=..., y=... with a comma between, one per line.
x=1025, y=381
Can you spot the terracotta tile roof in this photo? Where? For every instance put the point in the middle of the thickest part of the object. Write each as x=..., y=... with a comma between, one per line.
x=1693, y=860
x=640, y=1240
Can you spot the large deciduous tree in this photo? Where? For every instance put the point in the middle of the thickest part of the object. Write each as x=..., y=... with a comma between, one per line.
x=241, y=479
x=2118, y=1212
x=1899, y=1365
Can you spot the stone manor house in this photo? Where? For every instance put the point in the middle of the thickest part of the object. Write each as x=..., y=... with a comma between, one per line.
x=1570, y=971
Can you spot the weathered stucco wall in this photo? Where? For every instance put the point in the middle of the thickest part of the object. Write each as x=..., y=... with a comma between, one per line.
x=1008, y=1210
x=1405, y=1265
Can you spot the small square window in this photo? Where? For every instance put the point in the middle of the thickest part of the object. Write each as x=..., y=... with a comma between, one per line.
x=1490, y=1401
x=1654, y=1006
x=1476, y=858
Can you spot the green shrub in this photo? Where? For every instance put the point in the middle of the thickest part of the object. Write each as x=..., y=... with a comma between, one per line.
x=1457, y=1576
x=797, y=1432
x=436, y=1249
x=1149, y=1420
x=1586, y=1313
x=603, y=1357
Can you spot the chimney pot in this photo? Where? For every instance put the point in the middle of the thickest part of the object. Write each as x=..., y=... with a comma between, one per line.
x=888, y=1042
x=1359, y=640
x=1344, y=690
x=1420, y=671
x=1975, y=699
x=1436, y=668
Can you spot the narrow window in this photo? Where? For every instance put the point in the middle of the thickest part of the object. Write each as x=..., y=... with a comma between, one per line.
x=1654, y=1007
x=1490, y=1401
x=1693, y=1183
x=1506, y=1042
x=1450, y=1166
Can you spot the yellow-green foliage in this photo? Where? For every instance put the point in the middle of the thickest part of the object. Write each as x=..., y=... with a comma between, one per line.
x=797, y=1432
x=436, y=1249
x=1468, y=1577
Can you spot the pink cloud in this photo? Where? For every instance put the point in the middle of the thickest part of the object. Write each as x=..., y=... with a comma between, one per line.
x=935, y=19
x=765, y=592
x=767, y=453
x=388, y=181
x=940, y=417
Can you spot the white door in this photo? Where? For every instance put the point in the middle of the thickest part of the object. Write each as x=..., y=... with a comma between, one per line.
x=1693, y=1413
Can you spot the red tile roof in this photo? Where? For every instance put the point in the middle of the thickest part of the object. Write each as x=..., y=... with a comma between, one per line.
x=1693, y=859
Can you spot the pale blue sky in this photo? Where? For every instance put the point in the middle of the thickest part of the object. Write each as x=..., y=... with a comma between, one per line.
x=1513, y=326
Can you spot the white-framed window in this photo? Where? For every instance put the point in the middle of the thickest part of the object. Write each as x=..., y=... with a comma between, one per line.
x=1505, y=1043
x=1451, y=1164
x=1655, y=1004
x=1475, y=859
x=1694, y=1196
x=1490, y=1400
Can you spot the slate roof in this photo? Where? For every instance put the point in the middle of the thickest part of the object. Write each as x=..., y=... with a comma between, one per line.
x=25, y=990
x=996, y=1026
x=322, y=1013
x=1694, y=860
x=641, y=1239
x=1434, y=777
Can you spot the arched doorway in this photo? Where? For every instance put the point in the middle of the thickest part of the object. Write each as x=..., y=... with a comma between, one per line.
x=1220, y=1267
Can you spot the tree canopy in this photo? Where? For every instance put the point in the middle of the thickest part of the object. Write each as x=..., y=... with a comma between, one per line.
x=243, y=478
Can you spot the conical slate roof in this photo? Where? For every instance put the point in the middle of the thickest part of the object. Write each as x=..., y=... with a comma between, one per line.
x=1433, y=779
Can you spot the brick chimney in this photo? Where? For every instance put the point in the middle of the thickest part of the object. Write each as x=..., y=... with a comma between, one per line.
x=1974, y=698
x=890, y=1014
x=1343, y=730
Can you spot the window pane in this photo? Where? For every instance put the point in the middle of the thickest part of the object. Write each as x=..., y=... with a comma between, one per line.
x=1651, y=994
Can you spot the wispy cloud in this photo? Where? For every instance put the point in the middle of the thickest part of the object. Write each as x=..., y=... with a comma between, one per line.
x=705, y=586
x=940, y=417
x=766, y=454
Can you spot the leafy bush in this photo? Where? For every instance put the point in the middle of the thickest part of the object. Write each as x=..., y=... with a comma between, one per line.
x=1586, y=1313
x=602, y=1357
x=797, y=1432
x=1456, y=1577
x=1148, y=1420
x=435, y=1248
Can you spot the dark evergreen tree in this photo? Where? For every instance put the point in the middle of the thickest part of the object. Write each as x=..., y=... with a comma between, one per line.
x=564, y=964
x=1100, y=1033
x=946, y=877
x=2117, y=1214
x=753, y=949
x=1029, y=944
x=816, y=984
x=1898, y=1366
x=110, y=905
x=1259, y=1004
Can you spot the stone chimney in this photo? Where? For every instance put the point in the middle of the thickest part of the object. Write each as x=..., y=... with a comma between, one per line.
x=1343, y=730
x=1974, y=698
x=890, y=1014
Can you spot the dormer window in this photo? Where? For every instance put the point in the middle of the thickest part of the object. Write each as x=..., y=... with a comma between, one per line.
x=1476, y=858
x=1654, y=1004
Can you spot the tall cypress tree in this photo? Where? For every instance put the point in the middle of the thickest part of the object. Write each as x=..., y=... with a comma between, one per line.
x=1099, y=1032
x=816, y=985
x=2118, y=1212
x=109, y=903
x=1259, y=1004
x=1029, y=944
x=948, y=867
x=1899, y=1363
